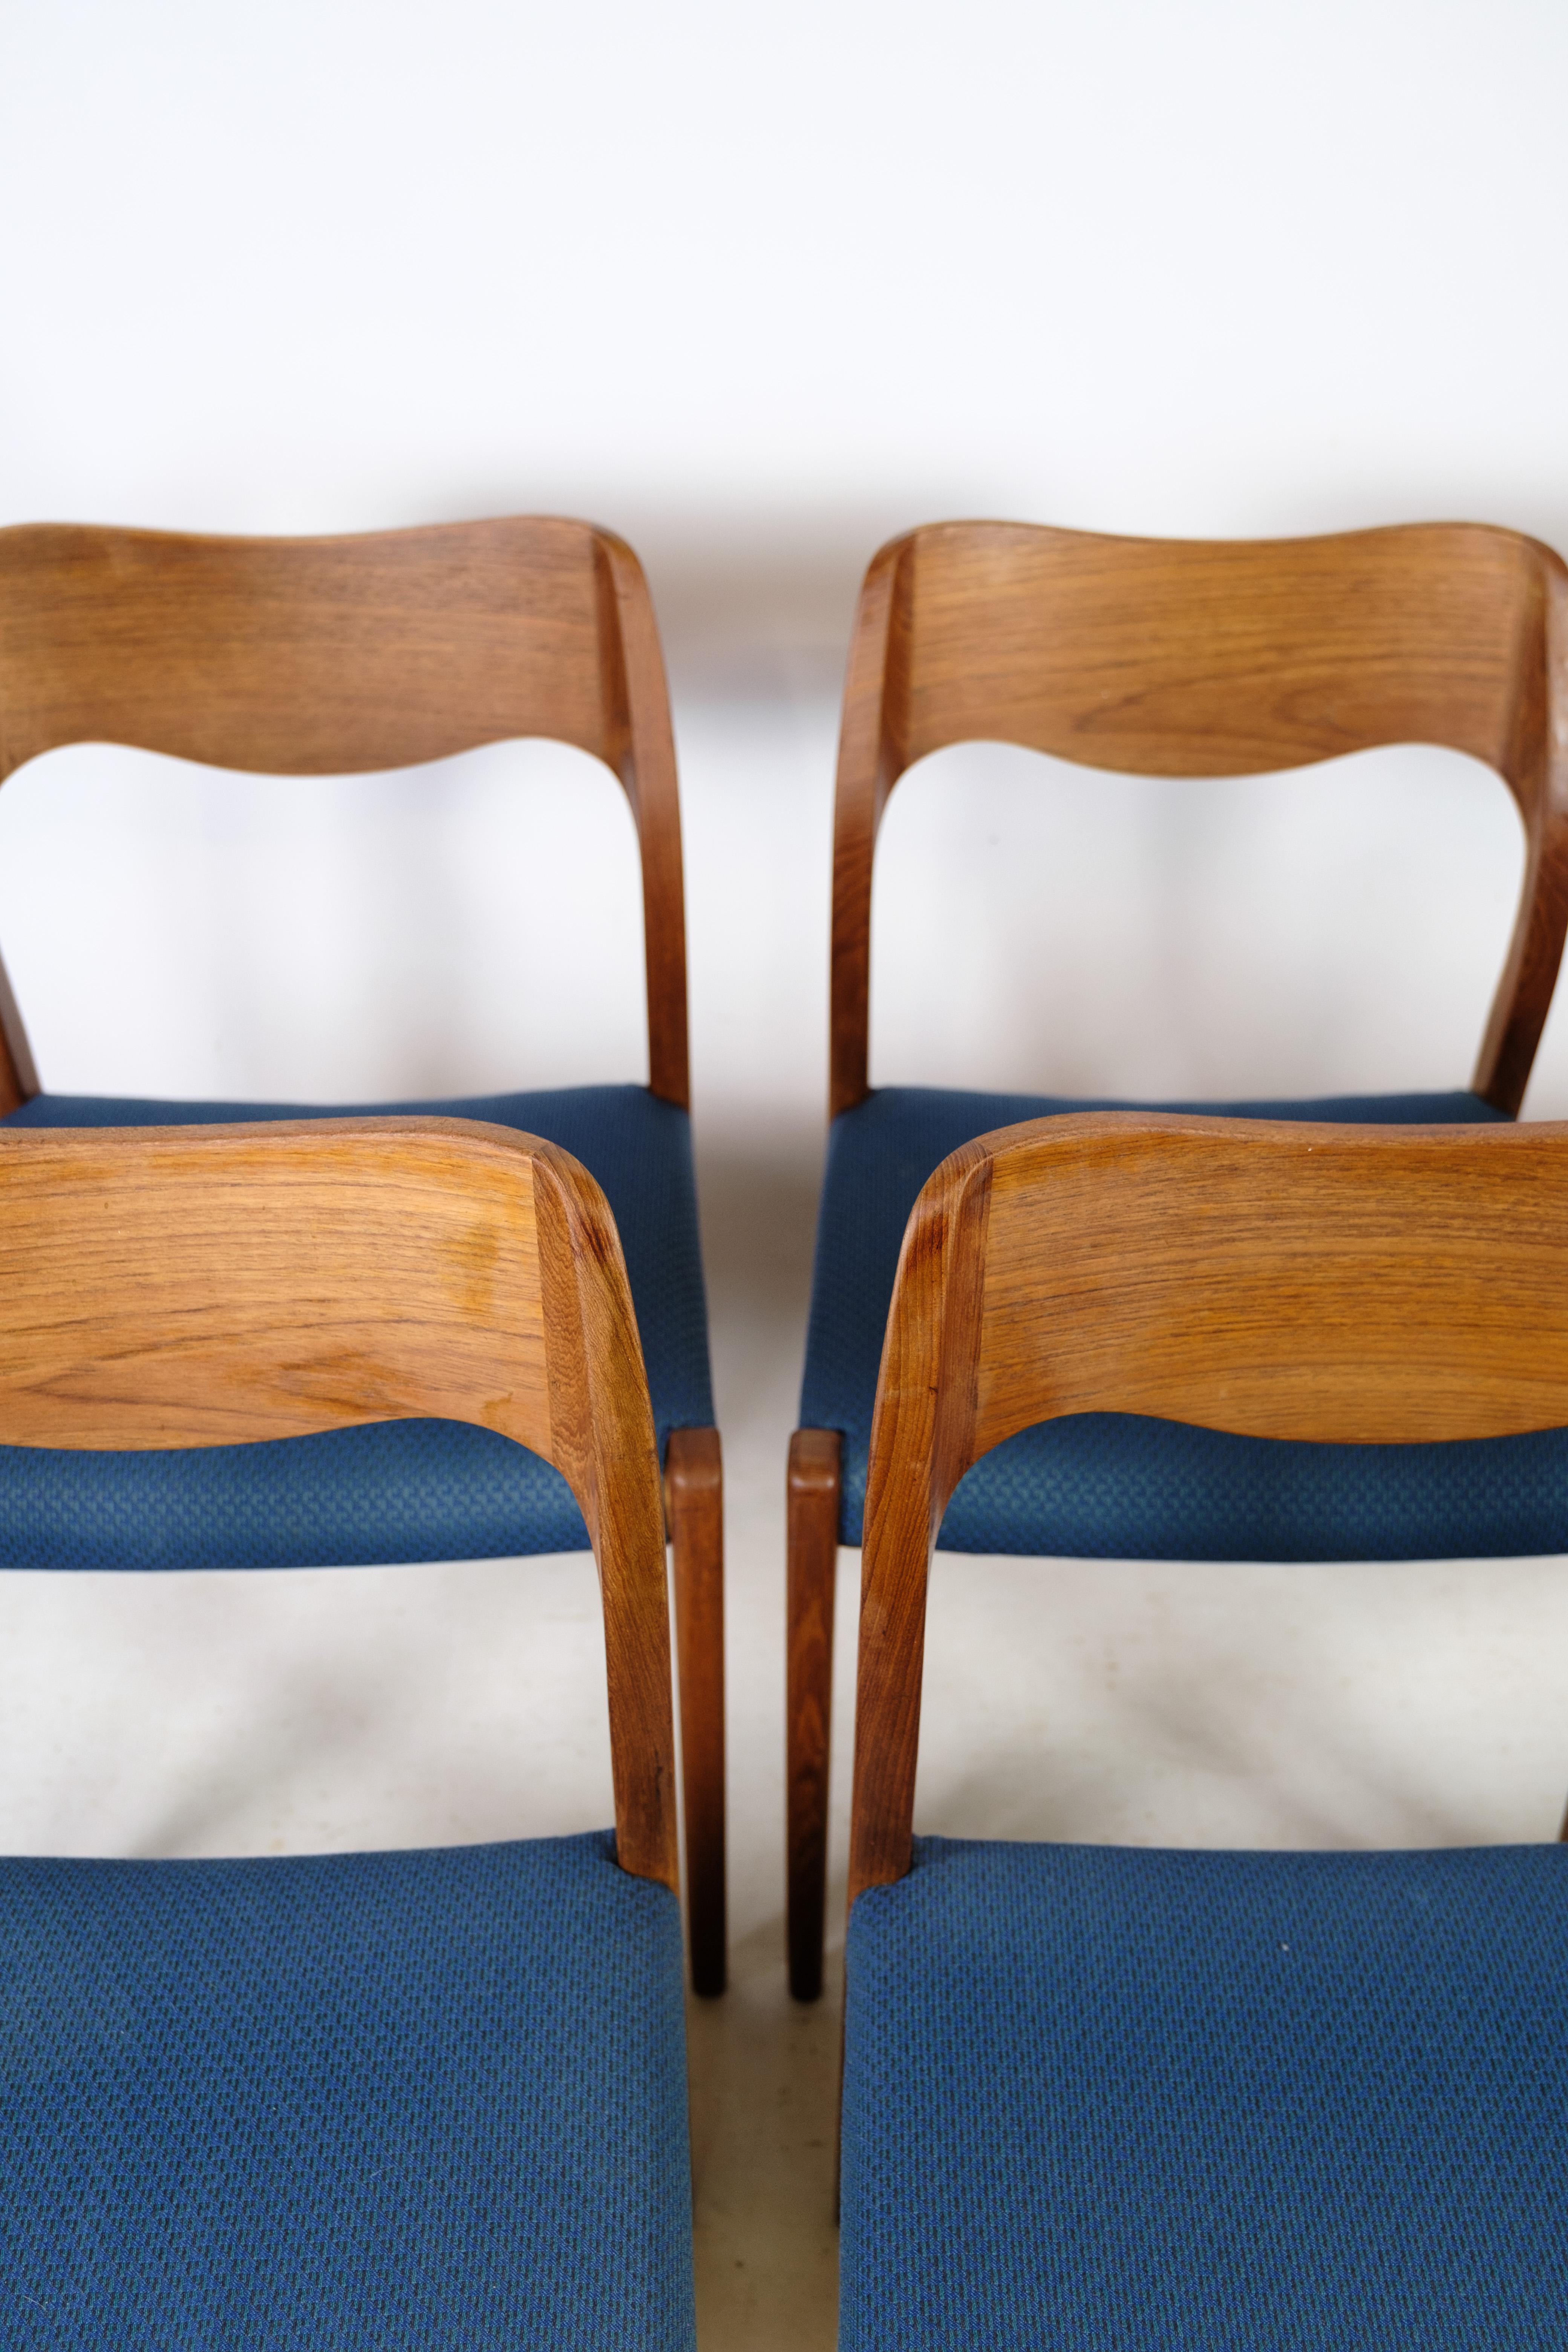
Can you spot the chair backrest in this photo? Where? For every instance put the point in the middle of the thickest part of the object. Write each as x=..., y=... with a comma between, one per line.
x=1213, y=658
x=164, y=1286
x=319, y=656
x=1354, y=1285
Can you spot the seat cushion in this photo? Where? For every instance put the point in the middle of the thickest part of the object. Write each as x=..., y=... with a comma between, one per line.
x=1095, y=2096
x=1118, y=1486
x=401, y=1490
x=374, y=2100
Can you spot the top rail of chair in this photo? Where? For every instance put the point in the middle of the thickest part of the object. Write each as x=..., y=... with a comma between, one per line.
x=1216, y=656
x=1276, y=1279
x=313, y=655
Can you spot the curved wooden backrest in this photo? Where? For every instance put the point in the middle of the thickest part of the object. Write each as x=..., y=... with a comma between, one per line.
x=165, y=1287
x=317, y=657
x=1351, y=1284
x=1214, y=658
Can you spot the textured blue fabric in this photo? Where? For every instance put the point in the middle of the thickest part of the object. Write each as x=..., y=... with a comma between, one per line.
x=402, y=1490
x=1097, y=2097
x=1117, y=1485
x=394, y=2102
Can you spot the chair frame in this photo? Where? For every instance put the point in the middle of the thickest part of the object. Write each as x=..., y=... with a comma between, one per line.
x=182, y=1286
x=1338, y=1283
x=1175, y=658
x=315, y=656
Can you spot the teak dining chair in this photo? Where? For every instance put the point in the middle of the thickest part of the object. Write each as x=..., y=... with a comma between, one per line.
x=1162, y=657
x=1102, y=2095
x=398, y=2098
x=323, y=656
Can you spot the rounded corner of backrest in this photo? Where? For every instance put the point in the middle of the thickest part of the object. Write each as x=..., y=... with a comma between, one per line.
x=940, y=1276
x=612, y=548
x=633, y=677
x=1533, y=555
x=1552, y=564
x=894, y=553
x=16, y=537
x=573, y=1201
x=567, y=1180
x=966, y=592
x=1549, y=571
x=1532, y=754
x=874, y=718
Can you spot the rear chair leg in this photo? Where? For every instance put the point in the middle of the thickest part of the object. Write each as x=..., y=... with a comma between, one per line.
x=812, y=1538
x=694, y=1503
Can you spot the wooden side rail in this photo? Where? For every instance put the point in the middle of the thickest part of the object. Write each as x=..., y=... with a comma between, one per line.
x=168, y=1287
x=1351, y=1284
x=694, y=1507
x=813, y=1500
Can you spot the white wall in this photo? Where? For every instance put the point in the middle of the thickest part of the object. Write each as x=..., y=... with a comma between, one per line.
x=760, y=286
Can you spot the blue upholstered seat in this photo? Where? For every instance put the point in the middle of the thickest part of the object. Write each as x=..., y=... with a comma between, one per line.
x=1112, y=1485
x=378, y=2101
x=402, y=1490
x=1206, y=2101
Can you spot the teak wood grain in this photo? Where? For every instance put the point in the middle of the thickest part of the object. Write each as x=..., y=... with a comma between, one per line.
x=694, y=1506
x=1349, y=1285
x=319, y=657
x=210, y=1285
x=1213, y=658
x=812, y=1505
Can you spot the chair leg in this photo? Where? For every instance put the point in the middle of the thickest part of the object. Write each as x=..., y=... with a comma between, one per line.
x=814, y=1479
x=694, y=1500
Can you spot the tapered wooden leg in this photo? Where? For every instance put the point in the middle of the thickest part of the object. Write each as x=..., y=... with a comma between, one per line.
x=813, y=1538
x=694, y=1501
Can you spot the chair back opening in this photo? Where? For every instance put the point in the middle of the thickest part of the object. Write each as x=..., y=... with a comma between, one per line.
x=192, y=1287
x=1332, y=1284
x=318, y=656
x=1213, y=658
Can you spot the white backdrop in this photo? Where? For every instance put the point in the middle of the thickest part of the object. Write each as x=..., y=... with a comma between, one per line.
x=760, y=286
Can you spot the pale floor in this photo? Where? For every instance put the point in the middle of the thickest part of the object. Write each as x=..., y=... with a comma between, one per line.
x=208, y=1714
